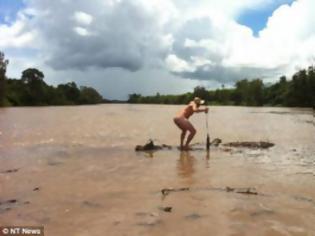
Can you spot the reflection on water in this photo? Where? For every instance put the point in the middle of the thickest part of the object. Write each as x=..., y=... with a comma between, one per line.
x=185, y=165
x=74, y=170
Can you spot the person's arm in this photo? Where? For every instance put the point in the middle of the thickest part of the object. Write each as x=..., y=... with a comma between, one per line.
x=197, y=109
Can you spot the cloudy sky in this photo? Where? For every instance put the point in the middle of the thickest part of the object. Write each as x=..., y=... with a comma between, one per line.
x=149, y=46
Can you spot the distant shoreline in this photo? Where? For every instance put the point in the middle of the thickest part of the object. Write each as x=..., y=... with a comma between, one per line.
x=32, y=90
x=155, y=104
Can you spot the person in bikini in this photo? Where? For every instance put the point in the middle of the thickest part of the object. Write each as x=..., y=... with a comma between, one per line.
x=181, y=120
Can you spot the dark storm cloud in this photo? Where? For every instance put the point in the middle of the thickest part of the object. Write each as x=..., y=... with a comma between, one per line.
x=121, y=34
x=223, y=74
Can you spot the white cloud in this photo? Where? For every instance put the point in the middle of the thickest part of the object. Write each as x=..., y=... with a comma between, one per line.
x=81, y=31
x=228, y=8
x=15, y=35
x=224, y=47
x=178, y=65
x=286, y=42
x=83, y=18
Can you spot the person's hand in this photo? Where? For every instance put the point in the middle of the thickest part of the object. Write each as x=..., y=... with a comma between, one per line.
x=206, y=110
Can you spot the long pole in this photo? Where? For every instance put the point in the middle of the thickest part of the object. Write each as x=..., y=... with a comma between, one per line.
x=208, y=136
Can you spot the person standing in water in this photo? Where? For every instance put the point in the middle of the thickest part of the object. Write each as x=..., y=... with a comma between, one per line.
x=181, y=120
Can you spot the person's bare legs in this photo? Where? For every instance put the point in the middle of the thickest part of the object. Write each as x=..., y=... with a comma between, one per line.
x=185, y=125
x=182, y=137
x=192, y=132
x=180, y=122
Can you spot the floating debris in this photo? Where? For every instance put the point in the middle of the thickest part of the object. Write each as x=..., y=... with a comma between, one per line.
x=166, y=209
x=54, y=163
x=166, y=191
x=12, y=201
x=10, y=171
x=91, y=204
x=6, y=205
x=193, y=216
x=250, y=191
x=262, y=212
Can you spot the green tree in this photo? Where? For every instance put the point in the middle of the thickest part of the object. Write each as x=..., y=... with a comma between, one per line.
x=241, y=92
x=298, y=94
x=134, y=98
x=32, y=76
x=249, y=93
x=256, y=93
x=201, y=92
x=71, y=92
x=35, y=92
x=276, y=94
x=3, y=69
x=311, y=78
x=90, y=96
x=16, y=92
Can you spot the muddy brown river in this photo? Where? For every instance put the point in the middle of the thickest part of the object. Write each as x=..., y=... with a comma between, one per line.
x=74, y=171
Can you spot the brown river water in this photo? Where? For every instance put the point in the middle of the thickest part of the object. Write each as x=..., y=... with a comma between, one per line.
x=74, y=171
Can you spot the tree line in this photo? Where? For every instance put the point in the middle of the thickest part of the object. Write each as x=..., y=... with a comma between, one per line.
x=297, y=92
x=31, y=90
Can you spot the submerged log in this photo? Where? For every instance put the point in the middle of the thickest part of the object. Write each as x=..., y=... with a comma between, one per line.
x=150, y=146
x=254, y=145
x=248, y=191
